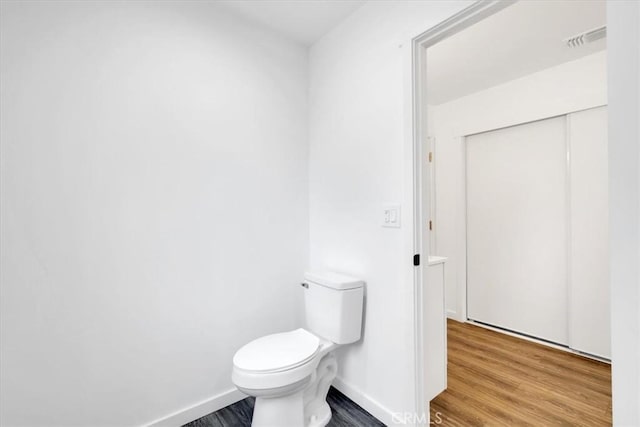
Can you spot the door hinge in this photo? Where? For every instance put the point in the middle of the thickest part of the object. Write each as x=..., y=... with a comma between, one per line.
x=430, y=156
x=416, y=259
x=430, y=225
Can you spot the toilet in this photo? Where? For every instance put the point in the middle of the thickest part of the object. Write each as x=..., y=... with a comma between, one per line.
x=290, y=373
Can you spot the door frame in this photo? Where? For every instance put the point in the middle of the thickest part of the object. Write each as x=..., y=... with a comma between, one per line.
x=622, y=83
x=419, y=166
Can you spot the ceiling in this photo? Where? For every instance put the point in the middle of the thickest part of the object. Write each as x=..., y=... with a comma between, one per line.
x=303, y=21
x=523, y=38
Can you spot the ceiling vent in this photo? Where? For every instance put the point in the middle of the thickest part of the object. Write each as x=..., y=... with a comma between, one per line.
x=587, y=37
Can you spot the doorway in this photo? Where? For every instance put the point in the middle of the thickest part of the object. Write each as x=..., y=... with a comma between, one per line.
x=546, y=122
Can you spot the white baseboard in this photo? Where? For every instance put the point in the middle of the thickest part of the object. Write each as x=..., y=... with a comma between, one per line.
x=232, y=396
x=366, y=402
x=453, y=314
x=199, y=410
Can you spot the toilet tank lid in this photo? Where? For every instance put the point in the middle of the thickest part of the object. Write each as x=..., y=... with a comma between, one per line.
x=334, y=280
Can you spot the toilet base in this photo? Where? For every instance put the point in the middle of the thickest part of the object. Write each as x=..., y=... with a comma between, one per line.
x=306, y=407
x=321, y=417
x=317, y=412
x=279, y=411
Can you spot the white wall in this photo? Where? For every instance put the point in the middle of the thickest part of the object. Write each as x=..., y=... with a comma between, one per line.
x=623, y=38
x=358, y=163
x=573, y=86
x=154, y=205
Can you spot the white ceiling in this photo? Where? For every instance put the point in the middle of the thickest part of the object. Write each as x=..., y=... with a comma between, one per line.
x=523, y=38
x=303, y=21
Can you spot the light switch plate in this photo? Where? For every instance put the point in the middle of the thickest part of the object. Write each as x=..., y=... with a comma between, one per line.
x=391, y=216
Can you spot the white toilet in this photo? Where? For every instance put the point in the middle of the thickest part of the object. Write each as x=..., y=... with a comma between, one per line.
x=290, y=373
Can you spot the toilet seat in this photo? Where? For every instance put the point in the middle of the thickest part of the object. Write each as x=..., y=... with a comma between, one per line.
x=277, y=352
x=278, y=362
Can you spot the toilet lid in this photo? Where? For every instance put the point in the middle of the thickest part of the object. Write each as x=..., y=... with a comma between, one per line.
x=277, y=352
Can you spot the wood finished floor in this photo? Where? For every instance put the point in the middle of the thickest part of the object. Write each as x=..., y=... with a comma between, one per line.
x=345, y=413
x=498, y=380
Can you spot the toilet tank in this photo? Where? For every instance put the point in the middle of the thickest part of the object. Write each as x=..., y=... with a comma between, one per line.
x=333, y=306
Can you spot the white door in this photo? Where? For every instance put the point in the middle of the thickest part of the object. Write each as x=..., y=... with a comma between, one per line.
x=517, y=229
x=589, y=264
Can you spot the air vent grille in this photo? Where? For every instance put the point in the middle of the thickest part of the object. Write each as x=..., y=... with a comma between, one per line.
x=587, y=37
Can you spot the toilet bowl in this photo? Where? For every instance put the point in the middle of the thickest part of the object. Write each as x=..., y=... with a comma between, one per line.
x=290, y=373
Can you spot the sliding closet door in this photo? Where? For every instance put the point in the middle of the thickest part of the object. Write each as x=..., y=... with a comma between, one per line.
x=589, y=266
x=517, y=229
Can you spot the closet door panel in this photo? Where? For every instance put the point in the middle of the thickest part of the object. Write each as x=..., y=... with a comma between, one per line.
x=589, y=264
x=517, y=229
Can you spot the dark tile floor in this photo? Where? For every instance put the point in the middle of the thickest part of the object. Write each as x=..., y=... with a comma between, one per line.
x=345, y=414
